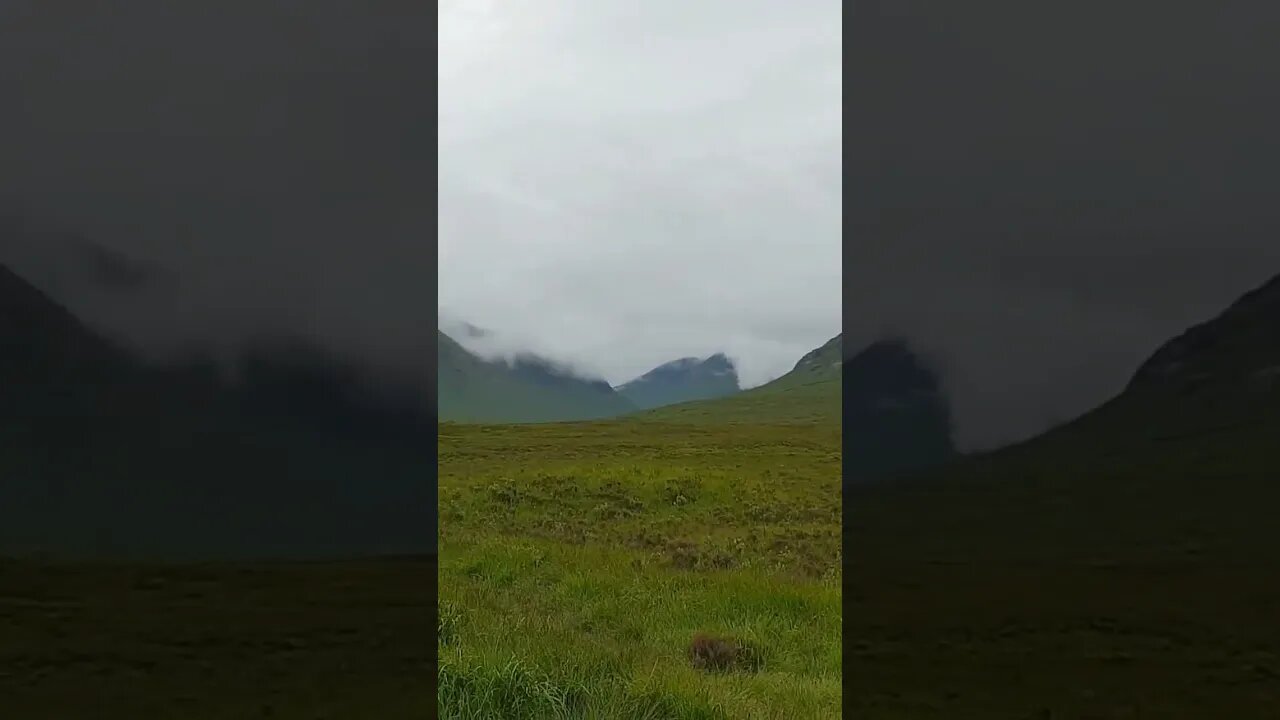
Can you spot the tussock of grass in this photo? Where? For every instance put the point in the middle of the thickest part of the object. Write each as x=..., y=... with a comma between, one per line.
x=449, y=618
x=723, y=654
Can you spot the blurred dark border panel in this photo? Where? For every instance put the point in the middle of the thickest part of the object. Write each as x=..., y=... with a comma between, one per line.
x=431, y=279
x=217, y=389
x=1073, y=205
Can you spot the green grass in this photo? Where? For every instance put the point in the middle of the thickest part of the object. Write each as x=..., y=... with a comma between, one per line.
x=579, y=560
x=343, y=640
x=784, y=401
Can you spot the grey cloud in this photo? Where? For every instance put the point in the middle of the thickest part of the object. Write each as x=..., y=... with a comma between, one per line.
x=622, y=185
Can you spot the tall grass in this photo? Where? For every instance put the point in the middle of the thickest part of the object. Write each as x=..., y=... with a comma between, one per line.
x=572, y=587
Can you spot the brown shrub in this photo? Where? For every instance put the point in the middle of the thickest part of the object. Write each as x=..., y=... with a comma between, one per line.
x=722, y=654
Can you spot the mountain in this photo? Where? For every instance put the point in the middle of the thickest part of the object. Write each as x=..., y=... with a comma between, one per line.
x=102, y=453
x=1180, y=466
x=292, y=380
x=1238, y=350
x=809, y=393
x=526, y=389
x=895, y=415
x=52, y=369
x=818, y=365
x=683, y=380
x=60, y=382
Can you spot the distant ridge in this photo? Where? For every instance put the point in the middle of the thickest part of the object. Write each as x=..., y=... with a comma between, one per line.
x=809, y=393
x=683, y=380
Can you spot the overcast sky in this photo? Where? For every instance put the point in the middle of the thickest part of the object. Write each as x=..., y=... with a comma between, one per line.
x=1038, y=195
x=623, y=184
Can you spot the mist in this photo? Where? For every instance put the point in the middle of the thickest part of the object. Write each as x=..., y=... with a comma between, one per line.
x=186, y=176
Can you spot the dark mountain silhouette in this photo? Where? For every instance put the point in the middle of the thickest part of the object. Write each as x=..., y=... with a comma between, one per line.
x=1181, y=465
x=56, y=377
x=1238, y=350
x=103, y=453
x=896, y=417
x=296, y=381
x=683, y=380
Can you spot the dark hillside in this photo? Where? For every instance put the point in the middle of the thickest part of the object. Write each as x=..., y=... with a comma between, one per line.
x=1131, y=552
x=103, y=454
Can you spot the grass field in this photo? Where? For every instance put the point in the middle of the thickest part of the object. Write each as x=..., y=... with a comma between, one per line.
x=578, y=561
x=339, y=641
x=1123, y=567
x=986, y=640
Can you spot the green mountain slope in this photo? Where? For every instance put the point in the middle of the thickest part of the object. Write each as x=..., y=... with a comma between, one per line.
x=471, y=389
x=809, y=393
x=891, y=408
x=881, y=384
x=683, y=380
x=822, y=364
